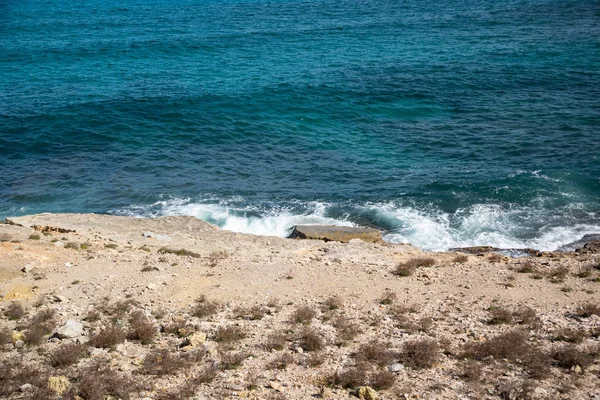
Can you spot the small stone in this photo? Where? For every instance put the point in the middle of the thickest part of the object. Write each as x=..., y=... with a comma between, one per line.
x=19, y=344
x=367, y=393
x=235, y=387
x=68, y=265
x=195, y=340
x=60, y=299
x=277, y=386
x=327, y=393
x=148, y=234
x=395, y=367
x=17, y=335
x=152, y=286
x=59, y=384
x=577, y=369
x=27, y=387
x=27, y=268
x=70, y=329
x=299, y=350
x=59, y=244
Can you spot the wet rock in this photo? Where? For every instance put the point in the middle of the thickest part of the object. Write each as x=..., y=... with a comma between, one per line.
x=475, y=249
x=592, y=239
x=71, y=329
x=335, y=233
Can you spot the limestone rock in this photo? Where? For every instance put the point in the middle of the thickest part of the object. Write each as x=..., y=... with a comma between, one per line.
x=277, y=386
x=367, y=393
x=197, y=339
x=335, y=233
x=27, y=268
x=27, y=387
x=395, y=367
x=70, y=329
x=60, y=299
x=60, y=384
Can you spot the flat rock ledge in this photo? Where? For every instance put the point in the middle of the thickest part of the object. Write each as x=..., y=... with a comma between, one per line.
x=335, y=233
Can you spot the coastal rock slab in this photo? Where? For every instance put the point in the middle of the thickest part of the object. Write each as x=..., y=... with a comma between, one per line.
x=329, y=233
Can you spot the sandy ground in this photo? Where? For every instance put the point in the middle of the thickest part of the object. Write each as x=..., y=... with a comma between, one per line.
x=43, y=264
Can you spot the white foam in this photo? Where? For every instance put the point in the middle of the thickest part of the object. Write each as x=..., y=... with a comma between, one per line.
x=429, y=229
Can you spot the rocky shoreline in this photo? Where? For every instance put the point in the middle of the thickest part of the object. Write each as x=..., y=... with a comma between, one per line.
x=174, y=308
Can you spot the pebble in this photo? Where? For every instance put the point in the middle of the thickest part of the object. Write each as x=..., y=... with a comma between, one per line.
x=27, y=387
x=152, y=286
x=60, y=299
x=277, y=386
x=70, y=329
x=27, y=268
x=395, y=367
x=59, y=244
x=68, y=265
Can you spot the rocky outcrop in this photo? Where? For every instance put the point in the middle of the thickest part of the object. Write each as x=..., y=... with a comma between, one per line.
x=335, y=233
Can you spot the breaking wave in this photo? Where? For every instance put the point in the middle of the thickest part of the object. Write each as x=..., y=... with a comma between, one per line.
x=503, y=226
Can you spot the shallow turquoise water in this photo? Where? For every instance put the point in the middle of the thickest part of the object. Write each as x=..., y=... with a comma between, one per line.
x=470, y=122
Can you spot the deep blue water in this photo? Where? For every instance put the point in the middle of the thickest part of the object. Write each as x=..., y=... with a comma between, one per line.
x=466, y=122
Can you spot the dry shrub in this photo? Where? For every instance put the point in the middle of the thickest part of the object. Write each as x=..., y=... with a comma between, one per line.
x=537, y=363
x=460, y=258
x=495, y=258
x=303, y=315
x=470, y=371
x=382, y=380
x=527, y=267
x=97, y=381
x=253, y=313
x=499, y=315
x=558, y=274
x=108, y=337
x=511, y=345
x=403, y=269
x=93, y=316
x=421, y=353
x=350, y=378
x=204, y=308
x=421, y=262
x=315, y=360
x=375, y=352
x=230, y=334
x=232, y=360
x=160, y=362
x=178, y=326
x=388, y=298
x=215, y=256
x=40, y=325
x=346, y=330
x=587, y=310
x=15, y=311
x=311, y=340
x=526, y=316
x=65, y=355
x=14, y=372
x=72, y=245
x=187, y=390
x=570, y=335
x=281, y=361
x=141, y=328
x=276, y=341
x=5, y=335
x=332, y=303
x=180, y=252
x=585, y=272
x=569, y=356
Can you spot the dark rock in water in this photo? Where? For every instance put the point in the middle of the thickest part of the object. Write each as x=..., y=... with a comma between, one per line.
x=587, y=244
x=335, y=233
x=475, y=249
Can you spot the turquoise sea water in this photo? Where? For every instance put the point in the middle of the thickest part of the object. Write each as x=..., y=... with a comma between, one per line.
x=461, y=123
